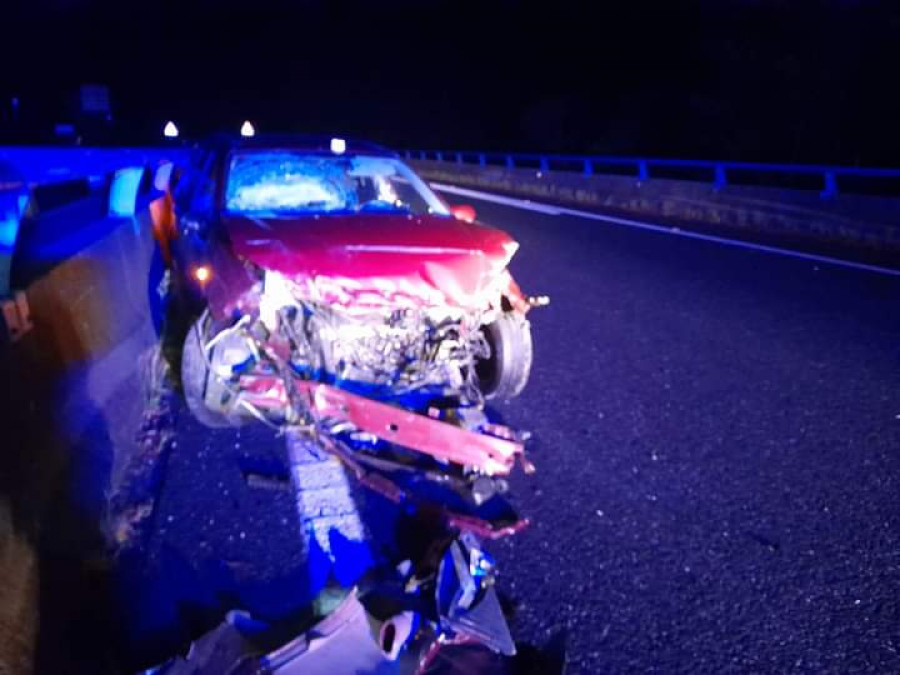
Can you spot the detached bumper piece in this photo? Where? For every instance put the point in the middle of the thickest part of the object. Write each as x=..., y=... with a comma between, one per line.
x=411, y=623
x=467, y=602
x=341, y=644
x=464, y=481
x=491, y=455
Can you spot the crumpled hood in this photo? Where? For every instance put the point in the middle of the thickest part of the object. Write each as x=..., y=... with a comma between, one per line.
x=378, y=259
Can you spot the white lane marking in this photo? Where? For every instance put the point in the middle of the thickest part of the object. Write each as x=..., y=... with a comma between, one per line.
x=550, y=210
x=324, y=499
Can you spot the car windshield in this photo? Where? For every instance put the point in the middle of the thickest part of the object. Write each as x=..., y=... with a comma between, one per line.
x=282, y=182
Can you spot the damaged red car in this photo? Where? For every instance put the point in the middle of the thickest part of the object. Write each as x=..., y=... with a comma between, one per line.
x=321, y=286
x=334, y=288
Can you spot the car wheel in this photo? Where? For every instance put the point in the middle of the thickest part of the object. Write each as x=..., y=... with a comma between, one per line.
x=200, y=386
x=180, y=315
x=504, y=375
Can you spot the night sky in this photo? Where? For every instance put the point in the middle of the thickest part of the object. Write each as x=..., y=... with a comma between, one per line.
x=793, y=80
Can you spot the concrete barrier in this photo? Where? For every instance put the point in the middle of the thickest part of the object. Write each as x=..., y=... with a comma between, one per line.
x=852, y=226
x=86, y=282
x=73, y=387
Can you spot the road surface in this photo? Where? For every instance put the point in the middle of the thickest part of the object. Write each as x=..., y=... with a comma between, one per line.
x=717, y=436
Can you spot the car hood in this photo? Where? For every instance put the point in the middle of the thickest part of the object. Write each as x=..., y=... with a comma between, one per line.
x=377, y=259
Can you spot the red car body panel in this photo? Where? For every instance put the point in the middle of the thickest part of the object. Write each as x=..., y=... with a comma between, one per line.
x=493, y=455
x=379, y=259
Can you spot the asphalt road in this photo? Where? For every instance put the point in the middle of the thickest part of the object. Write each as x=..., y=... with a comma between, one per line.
x=717, y=436
x=716, y=433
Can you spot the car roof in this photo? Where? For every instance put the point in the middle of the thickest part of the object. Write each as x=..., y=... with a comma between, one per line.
x=301, y=143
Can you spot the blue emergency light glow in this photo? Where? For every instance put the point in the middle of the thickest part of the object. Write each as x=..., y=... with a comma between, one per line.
x=9, y=228
x=123, y=191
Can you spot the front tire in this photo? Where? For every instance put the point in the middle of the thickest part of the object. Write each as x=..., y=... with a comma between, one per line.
x=504, y=375
x=200, y=385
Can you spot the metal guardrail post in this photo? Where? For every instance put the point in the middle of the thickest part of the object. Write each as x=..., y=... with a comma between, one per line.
x=439, y=156
x=15, y=316
x=545, y=165
x=482, y=160
x=459, y=158
x=643, y=172
x=409, y=154
x=14, y=198
x=831, y=186
x=423, y=154
x=510, y=162
x=588, y=168
x=720, y=181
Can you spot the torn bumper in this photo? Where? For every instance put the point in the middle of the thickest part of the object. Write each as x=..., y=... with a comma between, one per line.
x=491, y=455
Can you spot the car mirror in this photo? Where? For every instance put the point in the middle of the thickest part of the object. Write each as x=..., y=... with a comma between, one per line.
x=463, y=212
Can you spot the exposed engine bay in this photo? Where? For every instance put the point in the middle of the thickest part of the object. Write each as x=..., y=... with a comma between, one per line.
x=396, y=352
x=399, y=351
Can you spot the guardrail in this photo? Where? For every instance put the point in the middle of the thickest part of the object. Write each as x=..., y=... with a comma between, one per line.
x=720, y=173
x=42, y=165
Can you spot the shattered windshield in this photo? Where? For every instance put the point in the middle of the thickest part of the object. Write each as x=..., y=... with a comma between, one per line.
x=283, y=182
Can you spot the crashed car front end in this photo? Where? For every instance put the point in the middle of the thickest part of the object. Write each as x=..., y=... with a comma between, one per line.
x=388, y=327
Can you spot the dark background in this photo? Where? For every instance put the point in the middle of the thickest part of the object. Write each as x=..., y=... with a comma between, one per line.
x=783, y=81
